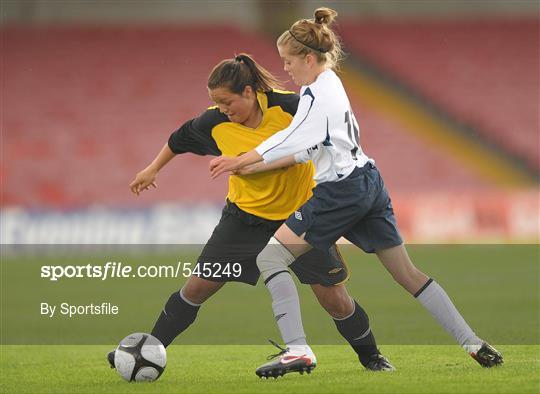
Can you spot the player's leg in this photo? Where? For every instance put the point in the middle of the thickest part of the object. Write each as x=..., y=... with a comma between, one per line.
x=428, y=292
x=377, y=232
x=433, y=297
x=397, y=262
x=182, y=307
x=232, y=242
x=320, y=222
x=335, y=300
x=181, y=310
x=326, y=272
x=352, y=322
x=273, y=262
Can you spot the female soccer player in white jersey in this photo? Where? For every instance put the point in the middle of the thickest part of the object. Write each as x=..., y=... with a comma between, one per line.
x=349, y=200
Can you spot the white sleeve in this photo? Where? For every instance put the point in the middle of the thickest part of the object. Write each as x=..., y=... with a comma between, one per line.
x=302, y=157
x=307, y=129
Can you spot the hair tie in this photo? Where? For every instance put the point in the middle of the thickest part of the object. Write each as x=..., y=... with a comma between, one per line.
x=321, y=50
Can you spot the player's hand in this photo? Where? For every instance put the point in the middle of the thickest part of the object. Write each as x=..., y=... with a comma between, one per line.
x=222, y=164
x=143, y=180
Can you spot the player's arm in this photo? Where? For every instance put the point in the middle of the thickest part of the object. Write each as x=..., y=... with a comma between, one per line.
x=252, y=162
x=308, y=128
x=263, y=167
x=147, y=177
x=194, y=136
x=223, y=164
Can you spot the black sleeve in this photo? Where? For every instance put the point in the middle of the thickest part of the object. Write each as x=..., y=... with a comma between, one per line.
x=195, y=136
x=288, y=101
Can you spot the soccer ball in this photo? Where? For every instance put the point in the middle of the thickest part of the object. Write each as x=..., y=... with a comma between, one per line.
x=140, y=357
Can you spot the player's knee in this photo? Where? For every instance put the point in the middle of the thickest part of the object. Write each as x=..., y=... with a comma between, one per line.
x=273, y=258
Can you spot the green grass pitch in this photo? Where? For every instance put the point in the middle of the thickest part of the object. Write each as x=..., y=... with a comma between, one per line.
x=495, y=287
x=230, y=369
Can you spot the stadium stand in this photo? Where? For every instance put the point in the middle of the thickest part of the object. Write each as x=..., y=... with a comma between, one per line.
x=86, y=107
x=482, y=72
x=409, y=164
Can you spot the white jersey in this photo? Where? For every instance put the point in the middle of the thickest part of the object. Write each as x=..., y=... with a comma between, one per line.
x=323, y=130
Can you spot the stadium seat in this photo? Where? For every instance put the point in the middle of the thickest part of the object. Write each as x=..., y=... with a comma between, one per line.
x=88, y=107
x=482, y=72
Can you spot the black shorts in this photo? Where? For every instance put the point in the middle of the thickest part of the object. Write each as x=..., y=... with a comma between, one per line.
x=239, y=237
x=357, y=208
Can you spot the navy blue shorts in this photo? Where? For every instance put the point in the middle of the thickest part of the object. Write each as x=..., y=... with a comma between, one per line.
x=357, y=208
x=240, y=236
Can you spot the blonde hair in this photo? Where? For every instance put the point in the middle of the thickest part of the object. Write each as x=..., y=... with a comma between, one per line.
x=316, y=37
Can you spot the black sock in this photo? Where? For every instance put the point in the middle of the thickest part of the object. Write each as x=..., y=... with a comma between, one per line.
x=174, y=319
x=355, y=329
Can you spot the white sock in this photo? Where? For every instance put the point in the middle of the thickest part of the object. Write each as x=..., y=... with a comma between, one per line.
x=302, y=349
x=286, y=306
x=436, y=301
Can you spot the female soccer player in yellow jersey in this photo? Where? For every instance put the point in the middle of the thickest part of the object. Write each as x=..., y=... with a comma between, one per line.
x=249, y=110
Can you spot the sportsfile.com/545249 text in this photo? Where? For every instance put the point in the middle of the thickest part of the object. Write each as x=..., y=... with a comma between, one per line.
x=121, y=270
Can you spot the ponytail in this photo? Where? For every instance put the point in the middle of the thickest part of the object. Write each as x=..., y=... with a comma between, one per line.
x=235, y=74
x=316, y=37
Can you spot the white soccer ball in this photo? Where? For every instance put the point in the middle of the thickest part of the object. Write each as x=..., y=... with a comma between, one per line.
x=140, y=357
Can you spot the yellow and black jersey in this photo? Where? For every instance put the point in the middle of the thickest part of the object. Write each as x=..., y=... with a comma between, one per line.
x=272, y=195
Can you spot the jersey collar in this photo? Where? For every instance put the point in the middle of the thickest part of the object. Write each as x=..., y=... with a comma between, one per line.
x=263, y=101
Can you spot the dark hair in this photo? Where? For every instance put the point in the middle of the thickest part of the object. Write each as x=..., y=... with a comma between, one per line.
x=314, y=36
x=235, y=74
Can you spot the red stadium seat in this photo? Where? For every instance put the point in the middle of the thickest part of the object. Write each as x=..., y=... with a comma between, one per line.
x=485, y=73
x=85, y=108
